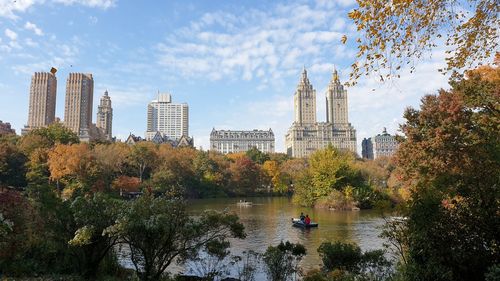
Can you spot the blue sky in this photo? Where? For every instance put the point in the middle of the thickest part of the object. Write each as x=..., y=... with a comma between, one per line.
x=236, y=63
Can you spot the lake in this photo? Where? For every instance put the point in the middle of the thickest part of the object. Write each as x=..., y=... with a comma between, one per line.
x=268, y=221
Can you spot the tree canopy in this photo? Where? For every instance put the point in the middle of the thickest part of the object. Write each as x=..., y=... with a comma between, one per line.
x=395, y=34
x=450, y=160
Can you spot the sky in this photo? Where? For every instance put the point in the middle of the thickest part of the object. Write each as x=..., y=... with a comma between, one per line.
x=235, y=63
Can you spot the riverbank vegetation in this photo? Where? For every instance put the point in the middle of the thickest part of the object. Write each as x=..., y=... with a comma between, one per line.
x=53, y=156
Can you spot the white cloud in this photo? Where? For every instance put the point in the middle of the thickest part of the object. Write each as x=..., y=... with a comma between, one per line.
x=103, y=4
x=61, y=58
x=272, y=43
x=10, y=8
x=29, y=42
x=93, y=20
x=11, y=34
x=31, y=26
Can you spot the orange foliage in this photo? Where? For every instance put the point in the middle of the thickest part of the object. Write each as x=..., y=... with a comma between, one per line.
x=235, y=156
x=125, y=183
x=70, y=160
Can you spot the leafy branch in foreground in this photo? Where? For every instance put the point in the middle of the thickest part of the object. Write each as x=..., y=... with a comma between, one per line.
x=395, y=34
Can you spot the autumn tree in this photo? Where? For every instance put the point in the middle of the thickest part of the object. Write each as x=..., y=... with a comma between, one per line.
x=271, y=169
x=292, y=169
x=450, y=161
x=126, y=183
x=175, y=170
x=36, y=146
x=112, y=157
x=143, y=158
x=245, y=176
x=394, y=34
x=73, y=164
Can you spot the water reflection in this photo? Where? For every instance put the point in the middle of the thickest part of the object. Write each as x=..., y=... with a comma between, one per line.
x=268, y=222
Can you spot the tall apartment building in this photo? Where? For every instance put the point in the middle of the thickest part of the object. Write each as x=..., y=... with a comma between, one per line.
x=382, y=145
x=78, y=104
x=105, y=116
x=306, y=135
x=228, y=141
x=42, y=104
x=170, y=119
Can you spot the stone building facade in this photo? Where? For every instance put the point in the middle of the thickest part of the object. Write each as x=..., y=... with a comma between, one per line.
x=306, y=135
x=105, y=117
x=42, y=102
x=229, y=141
x=382, y=145
x=78, y=104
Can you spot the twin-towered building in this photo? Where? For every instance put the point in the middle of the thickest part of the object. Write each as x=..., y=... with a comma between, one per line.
x=77, y=107
x=306, y=135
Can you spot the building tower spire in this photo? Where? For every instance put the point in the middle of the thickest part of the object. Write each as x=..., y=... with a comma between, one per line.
x=305, y=101
x=335, y=76
x=336, y=101
x=105, y=116
x=303, y=78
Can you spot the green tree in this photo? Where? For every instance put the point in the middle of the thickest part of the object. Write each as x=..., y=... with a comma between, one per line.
x=394, y=34
x=52, y=134
x=18, y=222
x=93, y=214
x=329, y=169
x=211, y=175
x=257, y=156
x=348, y=258
x=159, y=230
x=12, y=165
x=282, y=261
x=450, y=161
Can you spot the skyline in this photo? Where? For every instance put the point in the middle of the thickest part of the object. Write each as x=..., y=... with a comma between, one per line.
x=228, y=62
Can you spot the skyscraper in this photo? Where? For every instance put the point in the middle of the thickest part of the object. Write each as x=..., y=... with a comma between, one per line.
x=170, y=119
x=306, y=135
x=42, y=105
x=304, y=101
x=105, y=116
x=78, y=104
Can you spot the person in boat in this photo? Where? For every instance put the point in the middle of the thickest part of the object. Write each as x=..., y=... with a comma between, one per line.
x=307, y=220
x=302, y=217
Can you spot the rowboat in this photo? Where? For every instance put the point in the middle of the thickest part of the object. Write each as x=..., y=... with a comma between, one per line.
x=244, y=203
x=299, y=223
